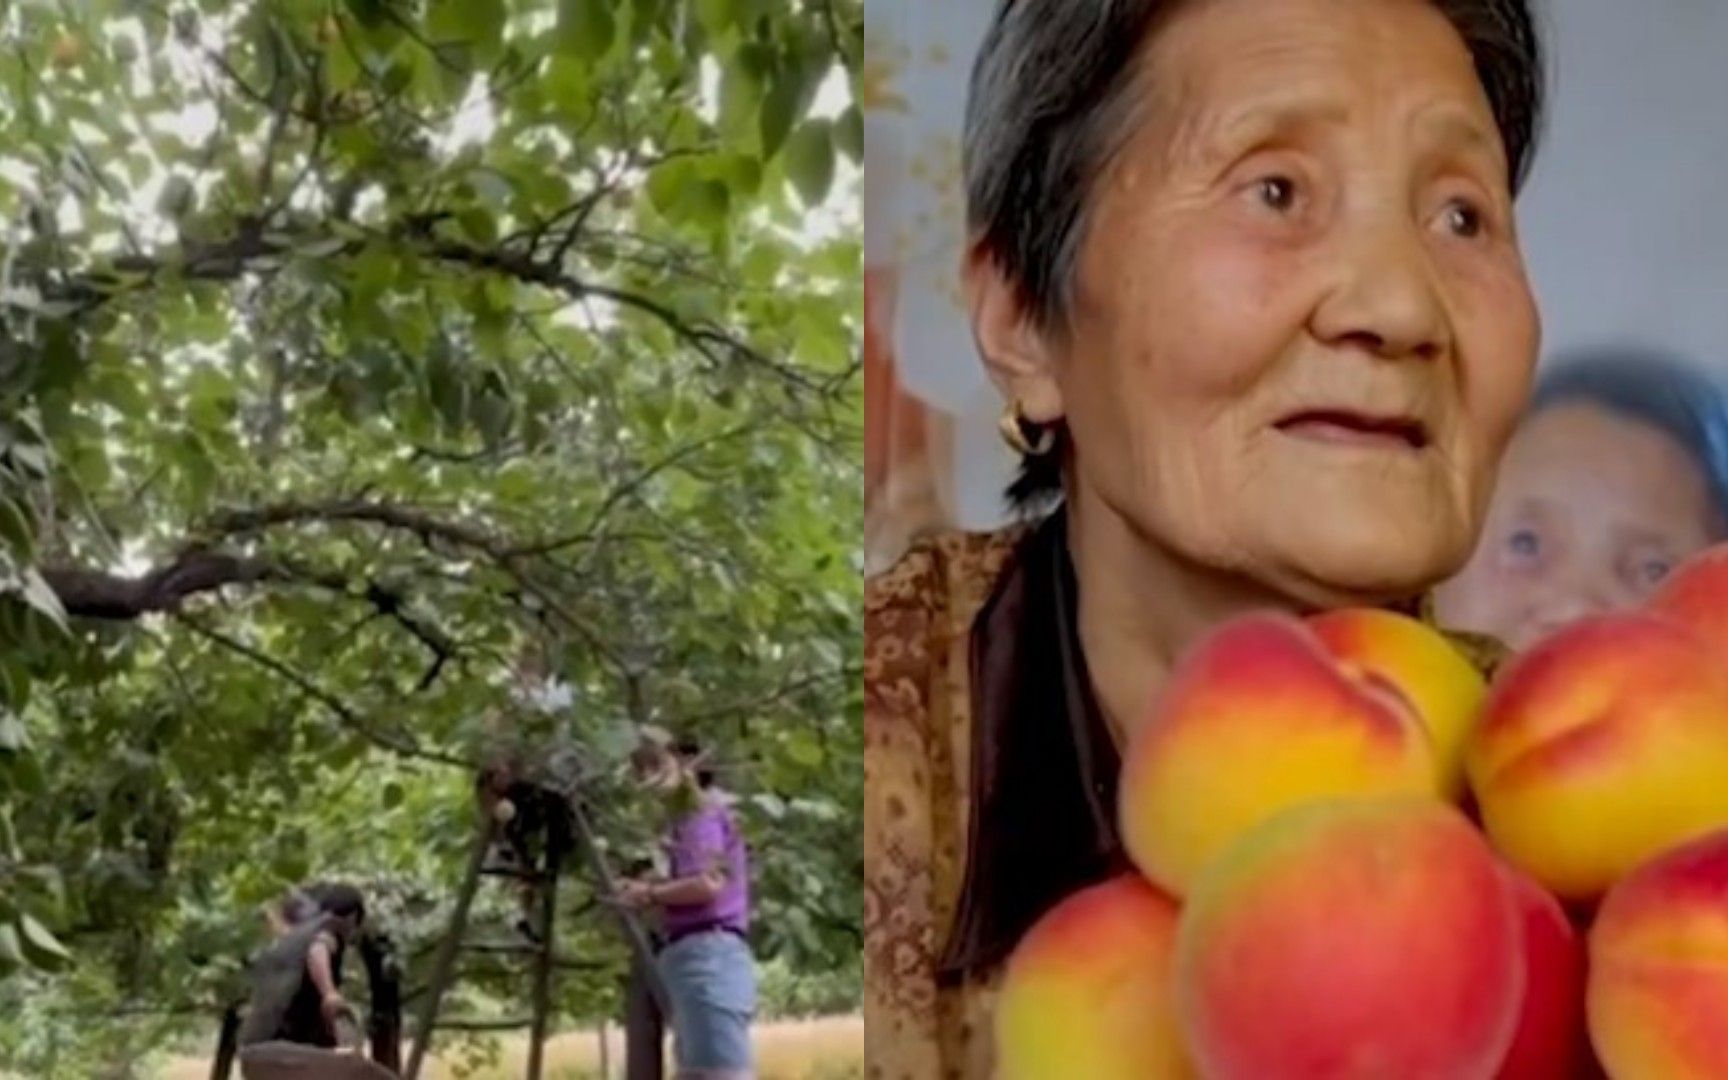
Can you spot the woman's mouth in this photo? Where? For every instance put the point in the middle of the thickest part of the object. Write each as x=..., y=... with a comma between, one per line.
x=1348, y=428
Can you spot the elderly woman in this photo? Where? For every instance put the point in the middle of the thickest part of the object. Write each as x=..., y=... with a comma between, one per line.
x=1618, y=473
x=1248, y=277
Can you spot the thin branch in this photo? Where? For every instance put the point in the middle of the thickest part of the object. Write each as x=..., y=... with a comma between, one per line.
x=428, y=528
x=786, y=690
x=408, y=518
x=345, y=715
x=619, y=493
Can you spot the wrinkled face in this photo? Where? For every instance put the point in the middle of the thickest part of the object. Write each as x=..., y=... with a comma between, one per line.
x=1592, y=511
x=1301, y=330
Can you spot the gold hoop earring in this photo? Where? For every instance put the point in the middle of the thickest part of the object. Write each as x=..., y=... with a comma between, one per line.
x=1025, y=437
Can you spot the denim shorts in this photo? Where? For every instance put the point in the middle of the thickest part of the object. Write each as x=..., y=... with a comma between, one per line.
x=711, y=981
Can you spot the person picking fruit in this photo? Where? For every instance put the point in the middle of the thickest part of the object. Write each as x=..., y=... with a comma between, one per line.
x=703, y=903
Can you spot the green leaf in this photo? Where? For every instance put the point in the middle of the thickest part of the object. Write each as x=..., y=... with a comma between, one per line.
x=176, y=198
x=11, y=949
x=39, y=947
x=779, y=109
x=585, y=28
x=479, y=226
x=392, y=795
x=809, y=161
x=16, y=530
x=718, y=16
x=708, y=201
x=804, y=748
x=13, y=737
x=43, y=599
x=567, y=84
x=341, y=63
x=849, y=134
x=14, y=683
x=668, y=182
x=740, y=96
x=477, y=22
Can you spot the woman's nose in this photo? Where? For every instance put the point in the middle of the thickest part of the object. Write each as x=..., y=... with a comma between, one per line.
x=1384, y=299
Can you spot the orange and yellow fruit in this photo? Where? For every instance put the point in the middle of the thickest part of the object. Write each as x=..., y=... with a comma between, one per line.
x=1601, y=747
x=1257, y=719
x=1360, y=938
x=1088, y=991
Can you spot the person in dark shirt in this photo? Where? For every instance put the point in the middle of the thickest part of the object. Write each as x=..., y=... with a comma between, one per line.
x=297, y=980
x=534, y=822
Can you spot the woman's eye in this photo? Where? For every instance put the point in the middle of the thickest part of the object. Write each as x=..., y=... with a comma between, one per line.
x=1524, y=545
x=1463, y=219
x=1652, y=571
x=1276, y=192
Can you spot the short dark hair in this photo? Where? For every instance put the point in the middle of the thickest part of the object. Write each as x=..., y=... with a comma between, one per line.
x=1659, y=388
x=339, y=899
x=1051, y=101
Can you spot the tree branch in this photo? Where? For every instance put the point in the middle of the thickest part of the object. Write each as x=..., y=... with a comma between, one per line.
x=394, y=515
x=350, y=719
x=627, y=487
x=786, y=690
x=229, y=258
x=95, y=594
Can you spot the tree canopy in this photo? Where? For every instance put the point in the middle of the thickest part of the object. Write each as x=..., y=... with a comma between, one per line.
x=381, y=380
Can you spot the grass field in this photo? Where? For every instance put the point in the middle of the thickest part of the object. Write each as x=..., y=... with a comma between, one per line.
x=828, y=1048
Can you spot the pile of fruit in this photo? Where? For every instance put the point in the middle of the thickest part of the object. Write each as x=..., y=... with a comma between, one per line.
x=1357, y=860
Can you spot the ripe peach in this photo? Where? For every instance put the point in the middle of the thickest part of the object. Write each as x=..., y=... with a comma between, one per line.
x=1445, y=688
x=1697, y=594
x=1550, y=1043
x=1599, y=748
x=1658, y=983
x=1358, y=938
x=1256, y=719
x=1088, y=993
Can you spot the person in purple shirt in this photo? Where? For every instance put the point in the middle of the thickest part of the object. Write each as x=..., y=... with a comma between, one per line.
x=704, y=907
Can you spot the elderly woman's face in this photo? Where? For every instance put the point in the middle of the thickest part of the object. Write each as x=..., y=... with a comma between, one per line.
x=1591, y=512
x=1301, y=329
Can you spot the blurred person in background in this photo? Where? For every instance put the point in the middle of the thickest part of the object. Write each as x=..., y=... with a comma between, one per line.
x=1617, y=474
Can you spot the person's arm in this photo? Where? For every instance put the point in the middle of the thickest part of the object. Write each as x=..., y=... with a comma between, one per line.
x=319, y=967
x=703, y=888
x=700, y=843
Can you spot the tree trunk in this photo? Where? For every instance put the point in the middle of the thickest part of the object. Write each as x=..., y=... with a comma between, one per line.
x=222, y=1067
x=384, y=984
x=644, y=1030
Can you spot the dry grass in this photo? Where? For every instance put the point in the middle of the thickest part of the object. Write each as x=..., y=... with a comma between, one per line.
x=829, y=1048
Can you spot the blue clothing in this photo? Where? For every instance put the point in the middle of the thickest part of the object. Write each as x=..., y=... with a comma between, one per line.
x=711, y=981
